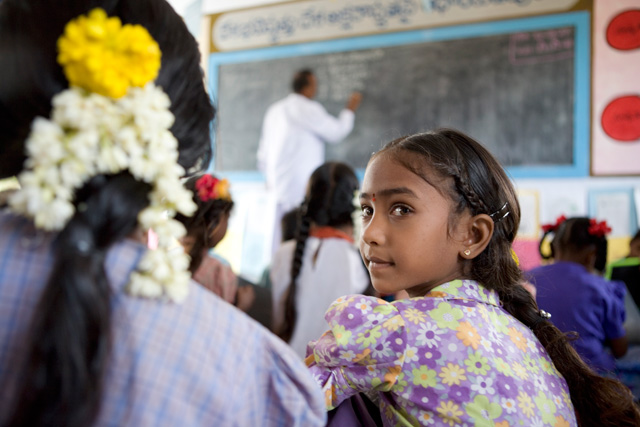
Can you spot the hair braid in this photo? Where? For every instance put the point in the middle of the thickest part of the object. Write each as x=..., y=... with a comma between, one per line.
x=476, y=204
x=598, y=401
x=329, y=202
x=290, y=311
x=67, y=372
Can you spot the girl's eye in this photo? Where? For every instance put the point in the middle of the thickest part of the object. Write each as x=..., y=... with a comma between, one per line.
x=367, y=211
x=400, y=210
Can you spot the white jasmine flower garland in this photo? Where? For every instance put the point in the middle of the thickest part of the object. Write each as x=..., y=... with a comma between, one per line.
x=90, y=134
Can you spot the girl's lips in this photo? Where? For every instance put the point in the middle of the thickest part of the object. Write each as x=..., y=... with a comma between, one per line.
x=377, y=263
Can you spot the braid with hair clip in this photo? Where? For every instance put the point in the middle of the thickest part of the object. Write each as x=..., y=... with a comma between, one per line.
x=474, y=201
x=481, y=186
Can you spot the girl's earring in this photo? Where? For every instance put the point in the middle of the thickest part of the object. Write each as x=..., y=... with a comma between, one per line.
x=467, y=252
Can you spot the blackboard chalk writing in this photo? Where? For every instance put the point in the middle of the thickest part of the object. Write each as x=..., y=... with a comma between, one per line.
x=623, y=32
x=541, y=46
x=621, y=118
x=468, y=83
x=349, y=72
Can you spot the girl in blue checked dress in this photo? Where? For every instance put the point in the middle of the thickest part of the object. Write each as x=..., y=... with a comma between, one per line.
x=470, y=346
x=102, y=111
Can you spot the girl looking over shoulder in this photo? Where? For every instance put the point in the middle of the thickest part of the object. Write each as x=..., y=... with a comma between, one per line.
x=469, y=346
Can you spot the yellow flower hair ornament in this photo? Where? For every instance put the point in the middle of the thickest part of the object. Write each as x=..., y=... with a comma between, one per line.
x=110, y=120
x=101, y=55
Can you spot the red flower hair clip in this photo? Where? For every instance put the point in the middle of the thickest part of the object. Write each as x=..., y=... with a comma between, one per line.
x=598, y=229
x=211, y=188
x=553, y=227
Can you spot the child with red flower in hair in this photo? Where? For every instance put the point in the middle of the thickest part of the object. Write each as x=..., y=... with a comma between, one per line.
x=205, y=229
x=576, y=295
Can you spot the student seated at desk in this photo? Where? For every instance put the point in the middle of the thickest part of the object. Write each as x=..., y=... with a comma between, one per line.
x=578, y=298
x=322, y=263
x=205, y=229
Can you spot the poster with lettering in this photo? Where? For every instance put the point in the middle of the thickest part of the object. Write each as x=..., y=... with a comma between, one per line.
x=616, y=88
x=312, y=20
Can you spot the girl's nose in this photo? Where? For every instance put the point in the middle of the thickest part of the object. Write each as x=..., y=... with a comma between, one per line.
x=373, y=232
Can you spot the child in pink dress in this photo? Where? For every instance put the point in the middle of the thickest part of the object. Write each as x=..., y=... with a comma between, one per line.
x=205, y=229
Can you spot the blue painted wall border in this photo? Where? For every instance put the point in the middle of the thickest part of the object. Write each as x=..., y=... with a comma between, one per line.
x=582, y=74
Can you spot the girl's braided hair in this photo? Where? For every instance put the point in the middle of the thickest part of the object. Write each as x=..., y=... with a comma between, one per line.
x=329, y=202
x=478, y=183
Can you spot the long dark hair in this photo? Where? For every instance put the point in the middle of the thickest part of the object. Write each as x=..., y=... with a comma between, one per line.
x=480, y=185
x=329, y=202
x=573, y=234
x=201, y=224
x=69, y=342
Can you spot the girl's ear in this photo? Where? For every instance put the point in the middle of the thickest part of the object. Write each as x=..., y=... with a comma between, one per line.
x=478, y=232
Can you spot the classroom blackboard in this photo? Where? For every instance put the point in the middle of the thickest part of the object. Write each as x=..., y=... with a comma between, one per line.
x=514, y=91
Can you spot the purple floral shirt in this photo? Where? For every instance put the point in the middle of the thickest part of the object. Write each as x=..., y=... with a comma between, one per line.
x=453, y=357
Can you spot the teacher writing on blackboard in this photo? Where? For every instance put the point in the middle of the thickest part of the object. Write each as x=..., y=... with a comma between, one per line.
x=294, y=132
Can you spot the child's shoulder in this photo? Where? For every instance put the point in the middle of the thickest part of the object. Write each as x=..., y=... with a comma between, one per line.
x=363, y=312
x=363, y=330
x=362, y=304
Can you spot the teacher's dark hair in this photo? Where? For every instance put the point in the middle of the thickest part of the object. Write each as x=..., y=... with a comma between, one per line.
x=68, y=346
x=301, y=79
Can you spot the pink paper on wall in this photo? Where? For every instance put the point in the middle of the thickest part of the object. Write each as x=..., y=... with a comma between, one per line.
x=527, y=251
x=616, y=88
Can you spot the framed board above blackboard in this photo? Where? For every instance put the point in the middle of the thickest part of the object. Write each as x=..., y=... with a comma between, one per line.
x=521, y=87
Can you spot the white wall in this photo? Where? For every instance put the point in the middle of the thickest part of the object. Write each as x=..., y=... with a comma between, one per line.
x=216, y=6
x=208, y=7
x=569, y=196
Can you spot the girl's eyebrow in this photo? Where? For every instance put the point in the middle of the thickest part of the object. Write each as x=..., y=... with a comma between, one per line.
x=390, y=191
